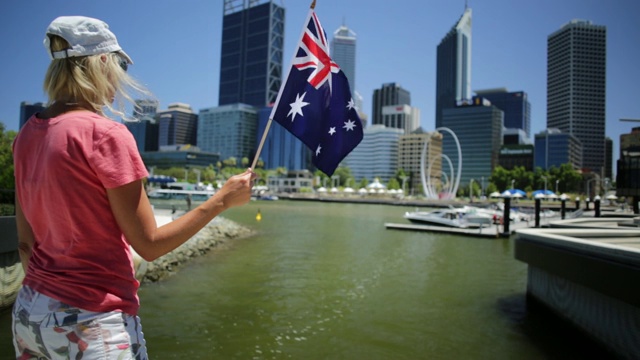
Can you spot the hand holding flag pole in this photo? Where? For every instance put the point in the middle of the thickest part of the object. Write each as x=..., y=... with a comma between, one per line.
x=314, y=103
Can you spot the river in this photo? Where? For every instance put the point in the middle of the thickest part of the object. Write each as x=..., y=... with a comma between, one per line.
x=328, y=281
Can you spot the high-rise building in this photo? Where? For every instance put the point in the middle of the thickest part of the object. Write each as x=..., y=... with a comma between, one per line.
x=281, y=148
x=229, y=130
x=576, y=87
x=376, y=156
x=145, y=132
x=27, y=110
x=401, y=117
x=251, y=54
x=608, y=158
x=343, y=52
x=388, y=94
x=453, y=67
x=478, y=128
x=515, y=105
x=178, y=125
x=554, y=148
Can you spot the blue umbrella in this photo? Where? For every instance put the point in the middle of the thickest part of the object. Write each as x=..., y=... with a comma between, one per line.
x=543, y=192
x=161, y=179
x=517, y=191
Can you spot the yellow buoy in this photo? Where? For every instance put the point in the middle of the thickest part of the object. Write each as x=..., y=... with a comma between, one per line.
x=258, y=216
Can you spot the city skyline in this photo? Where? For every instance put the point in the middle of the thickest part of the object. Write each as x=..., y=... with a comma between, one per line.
x=180, y=62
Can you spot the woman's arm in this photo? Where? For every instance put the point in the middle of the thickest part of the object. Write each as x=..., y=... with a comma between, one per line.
x=135, y=217
x=25, y=237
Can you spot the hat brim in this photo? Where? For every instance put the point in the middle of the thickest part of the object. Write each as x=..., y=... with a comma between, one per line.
x=124, y=55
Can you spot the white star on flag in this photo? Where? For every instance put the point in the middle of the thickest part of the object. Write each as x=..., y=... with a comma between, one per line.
x=351, y=105
x=349, y=125
x=296, y=107
x=332, y=130
x=318, y=150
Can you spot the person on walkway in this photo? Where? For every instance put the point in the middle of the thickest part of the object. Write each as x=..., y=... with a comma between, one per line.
x=81, y=205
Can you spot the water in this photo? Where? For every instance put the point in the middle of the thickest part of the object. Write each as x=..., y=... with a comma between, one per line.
x=328, y=281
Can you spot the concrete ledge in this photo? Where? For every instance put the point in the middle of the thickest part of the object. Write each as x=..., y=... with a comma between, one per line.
x=588, y=276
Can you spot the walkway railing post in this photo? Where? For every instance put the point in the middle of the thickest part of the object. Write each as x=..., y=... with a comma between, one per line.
x=596, y=205
x=506, y=215
x=537, y=212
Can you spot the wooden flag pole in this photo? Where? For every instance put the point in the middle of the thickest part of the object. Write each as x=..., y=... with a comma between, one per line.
x=264, y=137
x=266, y=129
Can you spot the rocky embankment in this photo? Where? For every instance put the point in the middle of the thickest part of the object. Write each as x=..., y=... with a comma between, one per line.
x=217, y=232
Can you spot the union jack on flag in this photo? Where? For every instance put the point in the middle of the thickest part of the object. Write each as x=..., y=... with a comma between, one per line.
x=315, y=102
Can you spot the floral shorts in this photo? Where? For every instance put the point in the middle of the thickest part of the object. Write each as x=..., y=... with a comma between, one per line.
x=47, y=328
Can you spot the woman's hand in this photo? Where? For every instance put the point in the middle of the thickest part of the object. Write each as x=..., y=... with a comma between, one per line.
x=236, y=190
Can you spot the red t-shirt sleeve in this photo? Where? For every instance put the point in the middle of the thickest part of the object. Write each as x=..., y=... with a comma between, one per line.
x=116, y=159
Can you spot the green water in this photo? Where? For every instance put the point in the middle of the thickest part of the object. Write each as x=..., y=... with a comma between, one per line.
x=328, y=281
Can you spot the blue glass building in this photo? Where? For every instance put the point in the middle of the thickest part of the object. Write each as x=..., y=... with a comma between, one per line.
x=27, y=110
x=178, y=125
x=515, y=105
x=479, y=131
x=145, y=132
x=281, y=148
x=554, y=148
x=343, y=52
x=229, y=130
x=251, y=54
x=453, y=67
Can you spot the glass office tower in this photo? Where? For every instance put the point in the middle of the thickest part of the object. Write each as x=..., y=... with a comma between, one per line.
x=251, y=54
x=453, y=68
x=576, y=84
x=343, y=52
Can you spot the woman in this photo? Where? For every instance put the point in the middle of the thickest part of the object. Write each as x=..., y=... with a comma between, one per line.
x=81, y=204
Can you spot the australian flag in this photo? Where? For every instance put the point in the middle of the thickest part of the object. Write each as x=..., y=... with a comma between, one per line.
x=315, y=103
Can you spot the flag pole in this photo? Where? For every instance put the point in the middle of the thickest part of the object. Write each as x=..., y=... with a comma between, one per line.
x=266, y=129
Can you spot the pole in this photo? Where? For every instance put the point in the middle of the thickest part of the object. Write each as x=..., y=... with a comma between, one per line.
x=563, y=208
x=506, y=215
x=537, y=212
x=264, y=137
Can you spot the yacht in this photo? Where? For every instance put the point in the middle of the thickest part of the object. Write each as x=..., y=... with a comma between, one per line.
x=452, y=217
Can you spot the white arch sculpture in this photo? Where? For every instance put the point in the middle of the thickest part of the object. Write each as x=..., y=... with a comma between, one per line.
x=432, y=194
x=427, y=191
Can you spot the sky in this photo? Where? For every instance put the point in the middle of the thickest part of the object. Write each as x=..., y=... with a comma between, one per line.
x=175, y=46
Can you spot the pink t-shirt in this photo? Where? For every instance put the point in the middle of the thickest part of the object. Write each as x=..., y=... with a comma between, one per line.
x=63, y=167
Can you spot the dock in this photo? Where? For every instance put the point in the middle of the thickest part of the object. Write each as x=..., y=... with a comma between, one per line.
x=586, y=272
x=489, y=231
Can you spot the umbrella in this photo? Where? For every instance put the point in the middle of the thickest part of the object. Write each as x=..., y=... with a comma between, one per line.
x=611, y=197
x=161, y=179
x=517, y=191
x=544, y=193
x=494, y=194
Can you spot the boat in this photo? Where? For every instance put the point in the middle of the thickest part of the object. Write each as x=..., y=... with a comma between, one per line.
x=452, y=217
x=179, y=194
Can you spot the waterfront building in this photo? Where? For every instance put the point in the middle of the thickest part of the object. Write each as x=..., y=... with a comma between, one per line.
x=229, y=130
x=576, y=87
x=293, y=182
x=343, y=52
x=376, y=156
x=28, y=109
x=410, y=149
x=182, y=156
x=388, y=94
x=453, y=67
x=145, y=132
x=554, y=148
x=628, y=173
x=251, y=52
x=511, y=136
x=178, y=125
x=281, y=148
x=478, y=127
x=515, y=105
x=401, y=117
x=512, y=156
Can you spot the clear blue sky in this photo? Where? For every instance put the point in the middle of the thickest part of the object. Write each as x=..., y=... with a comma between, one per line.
x=176, y=47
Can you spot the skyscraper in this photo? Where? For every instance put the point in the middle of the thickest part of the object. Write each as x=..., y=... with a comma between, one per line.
x=229, y=130
x=388, y=94
x=576, y=84
x=516, y=107
x=343, y=52
x=28, y=109
x=453, y=68
x=177, y=125
x=251, y=54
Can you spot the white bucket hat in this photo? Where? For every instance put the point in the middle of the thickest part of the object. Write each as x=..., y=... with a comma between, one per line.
x=85, y=35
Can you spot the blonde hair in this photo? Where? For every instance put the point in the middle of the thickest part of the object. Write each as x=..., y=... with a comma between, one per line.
x=90, y=80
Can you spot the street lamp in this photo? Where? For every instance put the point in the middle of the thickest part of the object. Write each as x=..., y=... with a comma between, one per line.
x=512, y=182
x=545, y=184
x=557, y=181
x=404, y=181
x=471, y=190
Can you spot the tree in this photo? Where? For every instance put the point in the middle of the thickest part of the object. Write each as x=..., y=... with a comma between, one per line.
x=343, y=173
x=245, y=162
x=363, y=183
x=393, y=184
x=7, y=180
x=230, y=162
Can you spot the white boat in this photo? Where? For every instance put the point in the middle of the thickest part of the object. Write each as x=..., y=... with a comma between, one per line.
x=178, y=194
x=453, y=217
